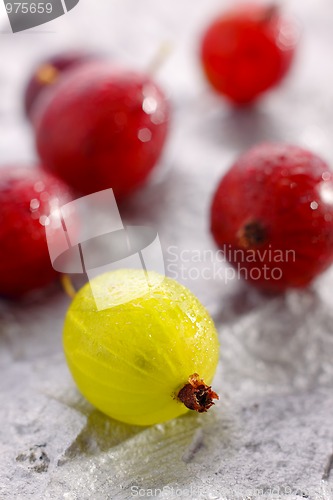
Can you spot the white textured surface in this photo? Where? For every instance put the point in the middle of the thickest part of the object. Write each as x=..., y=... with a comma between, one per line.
x=271, y=435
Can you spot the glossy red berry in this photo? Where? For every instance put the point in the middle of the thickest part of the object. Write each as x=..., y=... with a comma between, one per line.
x=48, y=73
x=272, y=215
x=26, y=197
x=248, y=50
x=103, y=128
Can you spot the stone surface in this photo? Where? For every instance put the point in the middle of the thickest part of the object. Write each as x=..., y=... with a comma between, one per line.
x=271, y=434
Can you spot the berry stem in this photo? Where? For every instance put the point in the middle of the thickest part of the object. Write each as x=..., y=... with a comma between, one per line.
x=196, y=395
x=68, y=286
x=270, y=12
x=159, y=59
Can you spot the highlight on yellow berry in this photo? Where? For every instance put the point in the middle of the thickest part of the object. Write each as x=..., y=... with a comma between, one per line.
x=149, y=356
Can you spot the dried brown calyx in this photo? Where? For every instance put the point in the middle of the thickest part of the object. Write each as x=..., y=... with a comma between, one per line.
x=252, y=235
x=196, y=395
x=47, y=74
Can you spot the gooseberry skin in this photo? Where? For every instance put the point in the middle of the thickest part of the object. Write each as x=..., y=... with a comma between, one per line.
x=247, y=51
x=131, y=360
x=104, y=127
x=47, y=74
x=26, y=197
x=276, y=198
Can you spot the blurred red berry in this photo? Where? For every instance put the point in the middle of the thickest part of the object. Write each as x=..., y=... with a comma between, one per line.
x=48, y=73
x=248, y=50
x=26, y=197
x=272, y=215
x=103, y=128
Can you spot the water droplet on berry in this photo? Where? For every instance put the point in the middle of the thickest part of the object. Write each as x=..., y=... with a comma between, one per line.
x=34, y=204
x=39, y=187
x=158, y=118
x=44, y=220
x=144, y=135
x=149, y=105
x=314, y=205
x=326, y=193
x=56, y=219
